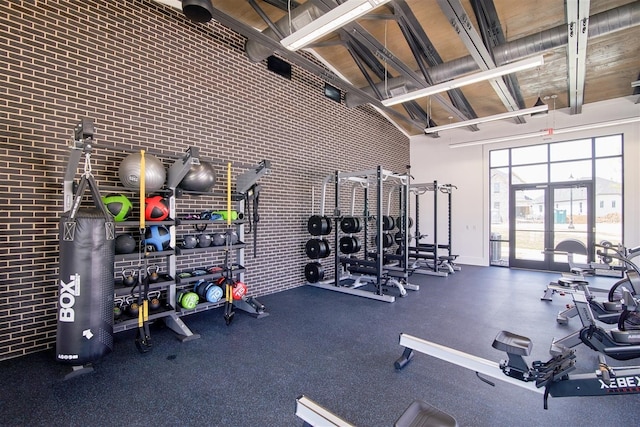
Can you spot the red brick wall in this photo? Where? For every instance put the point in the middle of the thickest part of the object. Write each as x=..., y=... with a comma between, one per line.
x=151, y=79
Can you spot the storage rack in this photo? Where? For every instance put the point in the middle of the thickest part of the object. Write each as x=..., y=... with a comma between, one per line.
x=169, y=284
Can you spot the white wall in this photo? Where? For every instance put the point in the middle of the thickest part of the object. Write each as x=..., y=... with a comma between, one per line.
x=467, y=168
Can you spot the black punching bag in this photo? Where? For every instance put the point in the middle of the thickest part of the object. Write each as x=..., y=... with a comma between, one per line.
x=85, y=299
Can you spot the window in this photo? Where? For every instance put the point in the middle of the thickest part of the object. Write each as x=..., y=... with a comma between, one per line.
x=596, y=162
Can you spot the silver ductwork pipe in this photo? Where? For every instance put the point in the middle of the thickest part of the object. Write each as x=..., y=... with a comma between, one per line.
x=300, y=16
x=603, y=23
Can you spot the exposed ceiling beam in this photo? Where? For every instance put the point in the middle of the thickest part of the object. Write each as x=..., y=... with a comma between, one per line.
x=306, y=64
x=493, y=36
x=265, y=17
x=578, y=31
x=360, y=35
x=425, y=52
x=455, y=13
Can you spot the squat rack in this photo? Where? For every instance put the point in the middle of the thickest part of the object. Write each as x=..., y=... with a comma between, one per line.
x=371, y=268
x=426, y=255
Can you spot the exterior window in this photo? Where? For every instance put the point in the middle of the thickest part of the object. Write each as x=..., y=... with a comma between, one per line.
x=564, y=181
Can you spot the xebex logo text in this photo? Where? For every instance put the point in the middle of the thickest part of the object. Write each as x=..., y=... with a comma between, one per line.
x=621, y=382
x=68, y=293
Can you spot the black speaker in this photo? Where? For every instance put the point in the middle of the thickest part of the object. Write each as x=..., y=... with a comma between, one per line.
x=279, y=66
x=332, y=92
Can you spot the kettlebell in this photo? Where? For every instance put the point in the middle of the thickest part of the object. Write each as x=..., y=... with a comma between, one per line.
x=129, y=277
x=117, y=308
x=154, y=301
x=152, y=272
x=133, y=308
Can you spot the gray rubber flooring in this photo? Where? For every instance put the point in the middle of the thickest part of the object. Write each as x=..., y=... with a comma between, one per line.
x=336, y=349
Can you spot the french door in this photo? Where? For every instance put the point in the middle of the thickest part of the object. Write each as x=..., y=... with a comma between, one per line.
x=546, y=215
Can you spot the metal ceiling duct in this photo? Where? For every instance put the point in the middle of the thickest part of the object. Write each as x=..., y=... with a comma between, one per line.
x=198, y=10
x=607, y=22
x=300, y=16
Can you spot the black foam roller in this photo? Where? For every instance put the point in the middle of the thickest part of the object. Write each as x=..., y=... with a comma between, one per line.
x=85, y=288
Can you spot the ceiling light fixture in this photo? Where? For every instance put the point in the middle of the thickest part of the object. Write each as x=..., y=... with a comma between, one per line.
x=503, y=70
x=329, y=22
x=547, y=132
x=493, y=118
x=502, y=139
x=539, y=103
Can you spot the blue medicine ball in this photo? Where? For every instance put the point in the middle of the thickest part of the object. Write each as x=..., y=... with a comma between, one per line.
x=158, y=236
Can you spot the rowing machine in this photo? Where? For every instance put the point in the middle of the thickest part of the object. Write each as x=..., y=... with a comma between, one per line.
x=550, y=378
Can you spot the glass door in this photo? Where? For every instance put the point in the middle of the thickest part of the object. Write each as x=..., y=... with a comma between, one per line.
x=551, y=217
x=529, y=226
x=573, y=225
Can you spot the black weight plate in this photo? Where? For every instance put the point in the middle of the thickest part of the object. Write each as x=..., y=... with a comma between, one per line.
x=399, y=222
x=312, y=248
x=319, y=225
x=388, y=223
x=317, y=248
x=387, y=240
x=350, y=224
x=313, y=272
x=325, y=250
x=349, y=244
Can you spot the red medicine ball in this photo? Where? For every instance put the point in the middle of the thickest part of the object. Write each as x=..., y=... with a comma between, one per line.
x=156, y=208
x=239, y=290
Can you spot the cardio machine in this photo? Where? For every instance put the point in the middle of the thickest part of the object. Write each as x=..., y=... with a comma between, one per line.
x=604, y=311
x=620, y=343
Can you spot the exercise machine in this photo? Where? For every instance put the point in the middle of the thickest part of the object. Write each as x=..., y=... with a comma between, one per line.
x=368, y=275
x=550, y=378
x=418, y=414
x=604, y=311
x=571, y=248
x=436, y=259
x=620, y=343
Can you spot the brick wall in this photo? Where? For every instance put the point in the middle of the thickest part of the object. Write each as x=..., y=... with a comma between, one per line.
x=150, y=79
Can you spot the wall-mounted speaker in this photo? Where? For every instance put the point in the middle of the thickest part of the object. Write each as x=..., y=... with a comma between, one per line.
x=279, y=66
x=332, y=92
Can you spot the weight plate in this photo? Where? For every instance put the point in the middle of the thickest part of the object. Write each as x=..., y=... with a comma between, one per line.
x=349, y=244
x=388, y=223
x=313, y=272
x=319, y=225
x=350, y=224
x=317, y=248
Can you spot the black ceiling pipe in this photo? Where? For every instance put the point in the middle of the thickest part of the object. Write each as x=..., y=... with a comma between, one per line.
x=198, y=10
